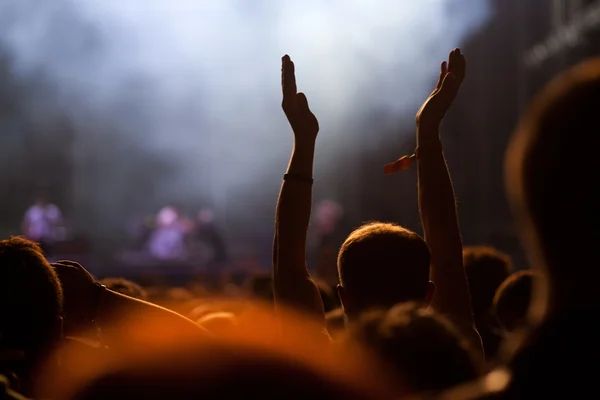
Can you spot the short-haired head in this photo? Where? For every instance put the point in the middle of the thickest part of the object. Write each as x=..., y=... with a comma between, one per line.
x=30, y=298
x=513, y=298
x=486, y=268
x=381, y=264
x=418, y=344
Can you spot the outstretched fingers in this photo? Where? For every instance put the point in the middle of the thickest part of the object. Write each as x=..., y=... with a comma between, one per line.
x=443, y=72
x=457, y=64
x=288, y=80
x=454, y=74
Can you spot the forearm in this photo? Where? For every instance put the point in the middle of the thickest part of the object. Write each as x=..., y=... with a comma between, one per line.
x=437, y=206
x=292, y=282
x=122, y=319
x=302, y=160
x=437, y=203
x=293, y=211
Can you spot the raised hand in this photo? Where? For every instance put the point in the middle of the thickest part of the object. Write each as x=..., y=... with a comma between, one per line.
x=434, y=109
x=295, y=105
x=451, y=77
x=437, y=205
x=292, y=283
x=79, y=290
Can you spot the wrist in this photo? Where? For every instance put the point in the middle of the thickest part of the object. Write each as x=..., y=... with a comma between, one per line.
x=428, y=133
x=298, y=178
x=304, y=143
x=428, y=128
x=427, y=143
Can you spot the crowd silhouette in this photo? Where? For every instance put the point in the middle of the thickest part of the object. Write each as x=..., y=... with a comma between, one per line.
x=407, y=316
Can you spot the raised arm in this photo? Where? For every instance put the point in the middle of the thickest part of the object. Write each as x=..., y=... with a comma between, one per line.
x=293, y=285
x=437, y=204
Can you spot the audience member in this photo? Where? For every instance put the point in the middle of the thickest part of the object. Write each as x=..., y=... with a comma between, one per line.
x=486, y=269
x=380, y=264
x=513, y=298
x=425, y=348
x=560, y=357
x=251, y=362
x=398, y=261
x=31, y=308
x=557, y=358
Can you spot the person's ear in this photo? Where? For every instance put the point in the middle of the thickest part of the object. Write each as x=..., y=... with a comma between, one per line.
x=429, y=293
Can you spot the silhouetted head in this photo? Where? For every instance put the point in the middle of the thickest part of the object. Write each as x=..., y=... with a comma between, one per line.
x=513, y=298
x=30, y=299
x=381, y=264
x=552, y=183
x=486, y=269
x=232, y=373
x=250, y=361
x=422, y=346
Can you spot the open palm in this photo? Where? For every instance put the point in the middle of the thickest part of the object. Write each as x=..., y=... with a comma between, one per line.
x=437, y=104
x=295, y=105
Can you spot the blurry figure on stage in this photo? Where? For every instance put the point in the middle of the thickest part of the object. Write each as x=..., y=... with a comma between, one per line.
x=168, y=240
x=210, y=236
x=139, y=228
x=43, y=223
x=329, y=237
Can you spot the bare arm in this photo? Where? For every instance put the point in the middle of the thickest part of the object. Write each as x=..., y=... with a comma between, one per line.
x=293, y=285
x=117, y=315
x=437, y=204
x=121, y=317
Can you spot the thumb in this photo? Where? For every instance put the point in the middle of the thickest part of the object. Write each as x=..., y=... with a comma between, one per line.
x=302, y=102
